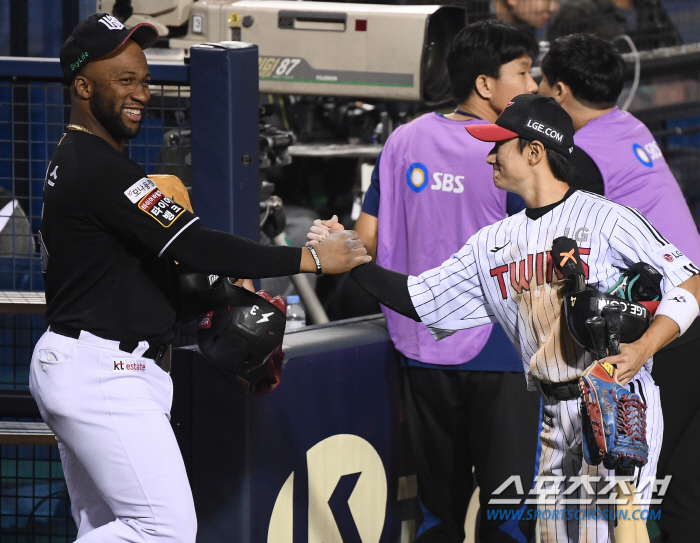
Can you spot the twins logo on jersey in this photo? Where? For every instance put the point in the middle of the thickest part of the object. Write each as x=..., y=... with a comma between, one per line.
x=418, y=177
x=520, y=275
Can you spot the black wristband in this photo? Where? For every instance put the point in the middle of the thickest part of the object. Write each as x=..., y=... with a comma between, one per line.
x=317, y=260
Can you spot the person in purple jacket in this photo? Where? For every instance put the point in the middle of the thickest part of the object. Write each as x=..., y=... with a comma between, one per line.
x=466, y=402
x=616, y=156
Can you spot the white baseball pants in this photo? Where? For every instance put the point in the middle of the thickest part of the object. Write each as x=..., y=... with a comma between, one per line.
x=562, y=455
x=110, y=412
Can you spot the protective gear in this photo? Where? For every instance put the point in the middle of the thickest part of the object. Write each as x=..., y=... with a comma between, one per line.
x=242, y=330
x=613, y=420
x=580, y=306
x=680, y=306
x=640, y=282
x=266, y=378
x=567, y=261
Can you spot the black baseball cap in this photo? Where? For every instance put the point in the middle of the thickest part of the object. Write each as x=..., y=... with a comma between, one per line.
x=98, y=36
x=532, y=117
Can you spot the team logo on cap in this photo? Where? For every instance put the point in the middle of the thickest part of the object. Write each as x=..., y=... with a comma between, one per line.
x=417, y=177
x=111, y=22
x=642, y=155
x=507, y=106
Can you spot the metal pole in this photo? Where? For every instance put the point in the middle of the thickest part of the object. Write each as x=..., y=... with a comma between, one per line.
x=71, y=17
x=19, y=28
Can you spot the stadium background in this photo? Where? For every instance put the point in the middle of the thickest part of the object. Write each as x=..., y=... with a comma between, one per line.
x=347, y=370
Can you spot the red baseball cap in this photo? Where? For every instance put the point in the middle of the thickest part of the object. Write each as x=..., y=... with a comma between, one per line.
x=532, y=117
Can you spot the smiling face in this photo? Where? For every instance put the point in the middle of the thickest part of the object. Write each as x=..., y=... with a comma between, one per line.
x=121, y=91
x=510, y=165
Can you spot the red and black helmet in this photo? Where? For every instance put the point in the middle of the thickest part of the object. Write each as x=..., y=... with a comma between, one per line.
x=243, y=328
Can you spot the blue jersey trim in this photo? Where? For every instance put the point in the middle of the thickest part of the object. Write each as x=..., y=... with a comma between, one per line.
x=370, y=205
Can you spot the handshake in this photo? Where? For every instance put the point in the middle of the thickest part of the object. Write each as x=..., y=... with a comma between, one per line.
x=338, y=250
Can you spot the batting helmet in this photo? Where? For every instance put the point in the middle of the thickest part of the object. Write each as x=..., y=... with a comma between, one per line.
x=242, y=330
x=579, y=306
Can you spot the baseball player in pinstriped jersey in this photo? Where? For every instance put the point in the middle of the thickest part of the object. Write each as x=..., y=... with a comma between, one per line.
x=505, y=273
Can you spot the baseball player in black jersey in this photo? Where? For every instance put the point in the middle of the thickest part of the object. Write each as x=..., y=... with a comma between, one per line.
x=109, y=242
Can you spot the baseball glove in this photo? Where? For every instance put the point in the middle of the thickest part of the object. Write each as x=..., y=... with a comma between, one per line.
x=613, y=420
x=172, y=187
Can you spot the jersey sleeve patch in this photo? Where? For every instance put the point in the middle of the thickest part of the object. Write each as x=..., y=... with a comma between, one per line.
x=673, y=256
x=160, y=207
x=139, y=189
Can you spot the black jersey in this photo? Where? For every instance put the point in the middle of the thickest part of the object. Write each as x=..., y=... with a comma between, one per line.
x=104, y=229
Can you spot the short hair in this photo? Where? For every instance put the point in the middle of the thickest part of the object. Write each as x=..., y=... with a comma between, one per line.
x=589, y=65
x=559, y=165
x=481, y=48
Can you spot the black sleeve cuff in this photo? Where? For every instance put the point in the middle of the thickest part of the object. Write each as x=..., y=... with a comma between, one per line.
x=212, y=251
x=390, y=288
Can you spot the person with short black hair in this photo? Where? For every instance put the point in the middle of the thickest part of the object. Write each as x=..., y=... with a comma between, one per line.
x=558, y=164
x=616, y=156
x=505, y=273
x=429, y=180
x=484, y=51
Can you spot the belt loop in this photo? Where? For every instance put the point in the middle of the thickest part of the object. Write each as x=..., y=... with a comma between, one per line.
x=142, y=348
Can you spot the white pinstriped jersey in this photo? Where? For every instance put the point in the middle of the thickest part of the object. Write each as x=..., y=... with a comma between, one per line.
x=504, y=273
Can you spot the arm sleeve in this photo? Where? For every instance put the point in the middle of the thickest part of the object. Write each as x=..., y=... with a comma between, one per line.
x=634, y=240
x=450, y=297
x=586, y=174
x=390, y=288
x=212, y=251
x=370, y=205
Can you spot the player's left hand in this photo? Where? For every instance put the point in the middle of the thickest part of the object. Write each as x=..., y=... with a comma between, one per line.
x=320, y=230
x=630, y=360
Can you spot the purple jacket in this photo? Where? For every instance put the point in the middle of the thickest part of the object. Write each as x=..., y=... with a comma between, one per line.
x=436, y=191
x=636, y=175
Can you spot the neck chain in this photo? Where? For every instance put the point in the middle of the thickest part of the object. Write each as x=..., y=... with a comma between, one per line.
x=460, y=112
x=78, y=127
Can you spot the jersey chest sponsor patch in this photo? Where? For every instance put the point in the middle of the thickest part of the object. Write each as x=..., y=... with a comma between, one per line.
x=160, y=207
